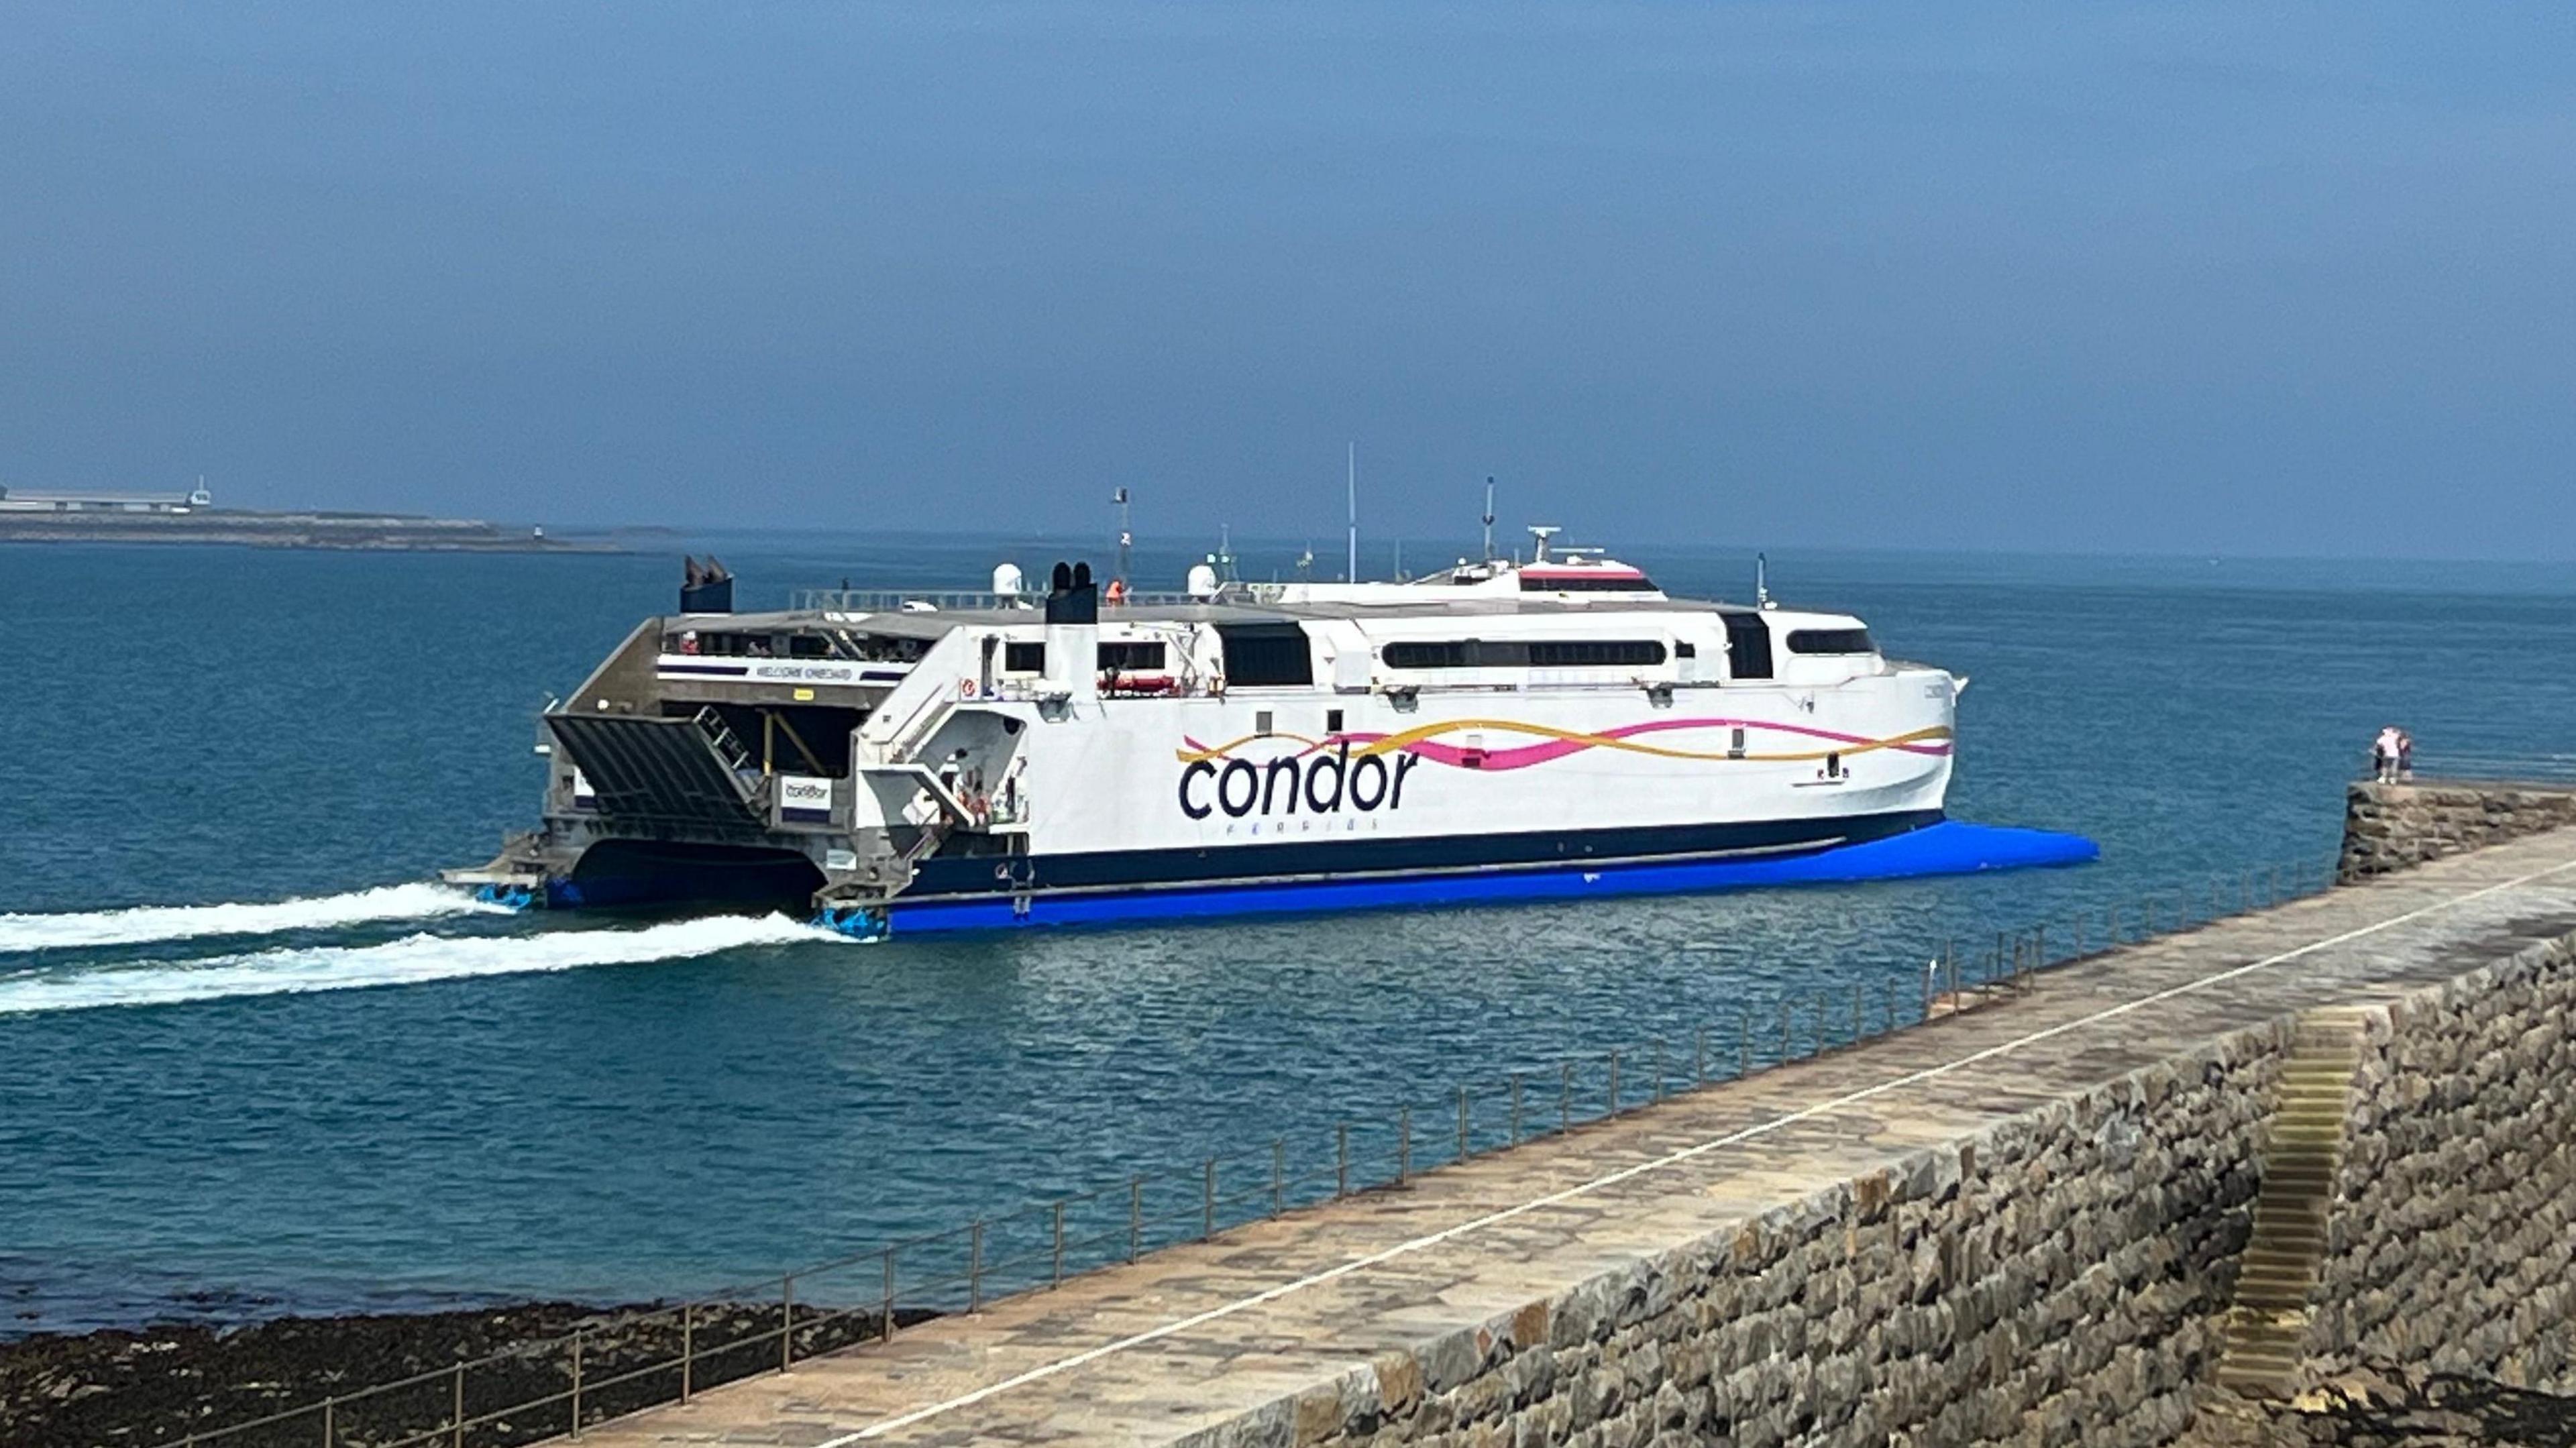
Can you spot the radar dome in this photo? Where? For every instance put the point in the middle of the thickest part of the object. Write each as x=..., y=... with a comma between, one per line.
x=1008, y=580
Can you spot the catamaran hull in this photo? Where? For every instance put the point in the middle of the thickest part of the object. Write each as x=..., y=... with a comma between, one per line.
x=1149, y=886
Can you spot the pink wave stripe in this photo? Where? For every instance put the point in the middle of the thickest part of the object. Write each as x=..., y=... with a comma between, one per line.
x=1523, y=756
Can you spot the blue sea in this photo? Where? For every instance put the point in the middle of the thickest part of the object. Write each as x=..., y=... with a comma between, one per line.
x=250, y=1063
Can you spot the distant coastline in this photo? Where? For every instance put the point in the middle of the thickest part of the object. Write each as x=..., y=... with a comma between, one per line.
x=388, y=532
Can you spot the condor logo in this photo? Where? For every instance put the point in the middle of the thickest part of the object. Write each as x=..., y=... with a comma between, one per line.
x=804, y=798
x=1322, y=782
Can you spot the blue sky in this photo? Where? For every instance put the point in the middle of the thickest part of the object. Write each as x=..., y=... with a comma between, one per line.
x=2199, y=278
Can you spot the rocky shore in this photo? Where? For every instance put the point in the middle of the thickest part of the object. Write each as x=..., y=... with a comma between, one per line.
x=162, y=1384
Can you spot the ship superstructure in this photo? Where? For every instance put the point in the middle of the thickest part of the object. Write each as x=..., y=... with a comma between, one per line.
x=923, y=761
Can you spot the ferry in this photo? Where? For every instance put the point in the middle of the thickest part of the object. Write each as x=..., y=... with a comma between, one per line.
x=1501, y=729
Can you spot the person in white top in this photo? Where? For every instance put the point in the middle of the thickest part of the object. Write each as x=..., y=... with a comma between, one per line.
x=2385, y=752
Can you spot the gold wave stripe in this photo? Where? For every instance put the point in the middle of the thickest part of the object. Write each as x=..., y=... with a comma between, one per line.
x=1416, y=735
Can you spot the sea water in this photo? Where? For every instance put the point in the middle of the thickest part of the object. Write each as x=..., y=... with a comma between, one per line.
x=250, y=1062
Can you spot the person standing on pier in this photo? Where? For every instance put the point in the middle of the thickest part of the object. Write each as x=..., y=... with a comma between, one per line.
x=2385, y=752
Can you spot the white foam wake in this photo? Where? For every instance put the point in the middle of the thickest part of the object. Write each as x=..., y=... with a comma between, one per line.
x=184, y=922
x=409, y=961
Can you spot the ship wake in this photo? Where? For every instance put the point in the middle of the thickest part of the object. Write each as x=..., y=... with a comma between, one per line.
x=145, y=924
x=415, y=959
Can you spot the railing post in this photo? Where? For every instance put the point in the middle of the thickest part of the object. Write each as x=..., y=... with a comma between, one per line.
x=787, y=1319
x=885, y=1324
x=576, y=1381
x=457, y=1403
x=1135, y=1215
x=1278, y=1175
x=1207, y=1200
x=1614, y=1081
x=1341, y=1160
x=1058, y=1279
x=1403, y=1144
x=1462, y=1123
x=1516, y=1108
x=688, y=1349
x=974, y=1267
x=330, y=1406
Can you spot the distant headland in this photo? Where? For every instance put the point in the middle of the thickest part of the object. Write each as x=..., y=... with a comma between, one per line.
x=30, y=515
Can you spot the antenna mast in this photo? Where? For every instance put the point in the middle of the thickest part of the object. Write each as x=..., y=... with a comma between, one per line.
x=1126, y=538
x=1489, y=517
x=1353, y=575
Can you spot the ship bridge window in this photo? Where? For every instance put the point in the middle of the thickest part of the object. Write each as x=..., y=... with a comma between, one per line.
x=1024, y=658
x=1259, y=655
x=1132, y=658
x=1586, y=583
x=1525, y=653
x=1830, y=641
x=808, y=646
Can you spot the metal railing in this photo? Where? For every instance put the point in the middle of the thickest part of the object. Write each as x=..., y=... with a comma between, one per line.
x=946, y=600
x=2442, y=767
x=626, y=1362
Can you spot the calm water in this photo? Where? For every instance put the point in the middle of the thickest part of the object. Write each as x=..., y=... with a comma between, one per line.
x=520, y=1106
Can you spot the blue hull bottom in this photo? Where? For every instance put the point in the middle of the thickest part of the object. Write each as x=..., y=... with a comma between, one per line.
x=1950, y=847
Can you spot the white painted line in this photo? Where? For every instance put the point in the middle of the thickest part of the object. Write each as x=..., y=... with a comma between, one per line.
x=1674, y=1158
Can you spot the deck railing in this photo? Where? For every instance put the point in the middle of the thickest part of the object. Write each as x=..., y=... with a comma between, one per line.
x=623, y=1363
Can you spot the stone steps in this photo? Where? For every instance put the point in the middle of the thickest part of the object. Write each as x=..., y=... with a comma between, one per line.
x=2302, y=1151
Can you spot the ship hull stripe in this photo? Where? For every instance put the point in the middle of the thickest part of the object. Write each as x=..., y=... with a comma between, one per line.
x=1941, y=847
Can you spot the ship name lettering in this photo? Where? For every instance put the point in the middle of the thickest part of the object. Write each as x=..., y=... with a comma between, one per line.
x=1324, y=782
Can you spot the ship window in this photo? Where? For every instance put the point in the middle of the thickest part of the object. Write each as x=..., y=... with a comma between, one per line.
x=1748, y=646
x=1583, y=583
x=1332, y=721
x=1581, y=653
x=1520, y=654
x=1685, y=649
x=1261, y=724
x=808, y=646
x=1132, y=658
x=1428, y=656
x=1266, y=655
x=1830, y=641
x=1024, y=658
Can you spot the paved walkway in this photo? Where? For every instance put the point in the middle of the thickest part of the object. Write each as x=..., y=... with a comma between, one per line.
x=1199, y=1335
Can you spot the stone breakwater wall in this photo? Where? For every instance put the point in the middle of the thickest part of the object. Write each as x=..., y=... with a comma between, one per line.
x=2389, y=827
x=2452, y=1239
x=2059, y=1277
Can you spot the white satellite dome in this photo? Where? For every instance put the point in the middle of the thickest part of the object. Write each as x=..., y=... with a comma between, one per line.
x=1202, y=583
x=1008, y=580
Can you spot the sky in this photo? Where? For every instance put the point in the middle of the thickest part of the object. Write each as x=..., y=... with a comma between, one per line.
x=2198, y=278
